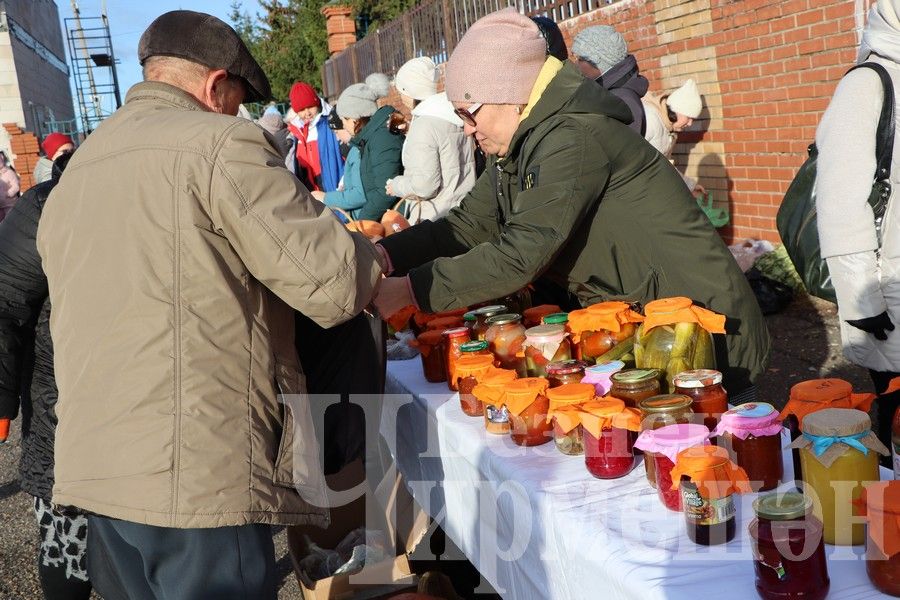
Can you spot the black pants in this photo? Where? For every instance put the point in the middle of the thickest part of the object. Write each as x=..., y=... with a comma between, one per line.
x=130, y=561
x=887, y=406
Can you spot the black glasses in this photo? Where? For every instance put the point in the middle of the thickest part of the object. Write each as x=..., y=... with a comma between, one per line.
x=468, y=114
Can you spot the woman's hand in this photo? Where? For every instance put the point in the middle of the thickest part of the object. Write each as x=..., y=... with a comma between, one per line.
x=318, y=195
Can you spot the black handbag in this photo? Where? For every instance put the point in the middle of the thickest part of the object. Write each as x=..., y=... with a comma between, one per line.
x=796, y=220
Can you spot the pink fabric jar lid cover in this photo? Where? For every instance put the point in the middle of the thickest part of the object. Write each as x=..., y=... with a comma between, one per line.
x=753, y=418
x=672, y=439
x=602, y=372
x=543, y=334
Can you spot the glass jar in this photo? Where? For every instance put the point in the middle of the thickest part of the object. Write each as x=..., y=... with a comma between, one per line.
x=565, y=415
x=452, y=343
x=658, y=412
x=430, y=345
x=477, y=347
x=603, y=332
x=559, y=318
x=752, y=434
x=482, y=315
x=491, y=392
x=708, y=482
x=505, y=336
x=788, y=549
x=517, y=302
x=565, y=371
x=528, y=405
x=883, y=540
x=663, y=445
x=835, y=470
x=704, y=386
x=608, y=437
x=543, y=345
x=633, y=385
x=469, y=369
x=532, y=317
x=600, y=376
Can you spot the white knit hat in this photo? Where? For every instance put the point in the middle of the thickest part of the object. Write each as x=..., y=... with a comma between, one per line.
x=686, y=100
x=417, y=78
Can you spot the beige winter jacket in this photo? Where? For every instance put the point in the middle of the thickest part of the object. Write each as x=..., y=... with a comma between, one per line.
x=175, y=247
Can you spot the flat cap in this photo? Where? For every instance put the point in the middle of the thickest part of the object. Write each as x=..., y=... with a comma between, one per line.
x=206, y=40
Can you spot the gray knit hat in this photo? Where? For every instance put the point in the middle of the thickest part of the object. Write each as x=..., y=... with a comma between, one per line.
x=602, y=45
x=358, y=100
x=379, y=83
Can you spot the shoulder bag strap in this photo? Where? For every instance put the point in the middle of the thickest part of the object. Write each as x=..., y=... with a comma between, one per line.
x=884, y=147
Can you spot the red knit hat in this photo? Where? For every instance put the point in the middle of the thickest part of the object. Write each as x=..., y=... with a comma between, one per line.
x=53, y=142
x=303, y=96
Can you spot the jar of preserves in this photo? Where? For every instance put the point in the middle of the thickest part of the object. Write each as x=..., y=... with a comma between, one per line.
x=505, y=336
x=517, y=302
x=882, y=501
x=528, y=405
x=469, y=319
x=788, y=549
x=532, y=317
x=704, y=387
x=565, y=371
x=708, y=482
x=565, y=413
x=839, y=454
x=430, y=346
x=559, y=318
x=469, y=369
x=676, y=336
x=609, y=428
x=603, y=332
x=482, y=315
x=452, y=343
x=813, y=395
x=658, y=412
x=663, y=445
x=545, y=344
x=752, y=434
x=600, y=376
x=491, y=392
x=475, y=347
x=633, y=385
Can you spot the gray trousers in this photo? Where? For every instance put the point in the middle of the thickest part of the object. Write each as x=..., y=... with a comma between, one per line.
x=130, y=561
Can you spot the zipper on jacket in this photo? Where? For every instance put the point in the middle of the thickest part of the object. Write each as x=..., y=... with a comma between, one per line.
x=499, y=179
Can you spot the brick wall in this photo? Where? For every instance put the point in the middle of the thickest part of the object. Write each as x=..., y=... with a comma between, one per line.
x=24, y=146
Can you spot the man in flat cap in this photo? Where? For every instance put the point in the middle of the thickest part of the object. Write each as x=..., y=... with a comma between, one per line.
x=176, y=247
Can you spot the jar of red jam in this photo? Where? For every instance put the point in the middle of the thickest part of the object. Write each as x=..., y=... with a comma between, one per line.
x=882, y=501
x=491, y=392
x=468, y=371
x=505, y=336
x=704, y=386
x=532, y=317
x=708, y=483
x=565, y=413
x=430, y=346
x=482, y=315
x=663, y=445
x=608, y=437
x=528, y=405
x=565, y=371
x=752, y=434
x=453, y=340
x=543, y=345
x=633, y=385
x=788, y=549
x=658, y=412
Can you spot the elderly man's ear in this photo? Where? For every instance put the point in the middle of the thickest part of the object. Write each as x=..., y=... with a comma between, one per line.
x=223, y=94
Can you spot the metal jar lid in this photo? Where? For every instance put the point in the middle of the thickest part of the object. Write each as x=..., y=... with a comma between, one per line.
x=566, y=367
x=665, y=403
x=490, y=311
x=783, y=507
x=476, y=346
x=698, y=378
x=555, y=319
x=504, y=319
x=635, y=376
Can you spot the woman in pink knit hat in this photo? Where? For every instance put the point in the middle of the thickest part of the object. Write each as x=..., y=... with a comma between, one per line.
x=571, y=195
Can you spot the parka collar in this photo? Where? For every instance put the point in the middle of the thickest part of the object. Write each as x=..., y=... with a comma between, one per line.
x=163, y=92
x=378, y=120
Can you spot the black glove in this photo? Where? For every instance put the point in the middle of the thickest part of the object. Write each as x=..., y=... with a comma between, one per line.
x=877, y=326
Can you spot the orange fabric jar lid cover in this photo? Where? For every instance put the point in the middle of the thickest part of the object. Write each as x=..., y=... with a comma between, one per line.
x=426, y=342
x=679, y=309
x=815, y=394
x=565, y=402
x=606, y=412
x=536, y=313
x=880, y=502
x=521, y=393
x=400, y=319
x=709, y=468
x=609, y=316
x=491, y=388
x=442, y=323
x=473, y=364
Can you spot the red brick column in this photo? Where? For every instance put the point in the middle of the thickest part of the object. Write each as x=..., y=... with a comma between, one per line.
x=340, y=26
x=24, y=145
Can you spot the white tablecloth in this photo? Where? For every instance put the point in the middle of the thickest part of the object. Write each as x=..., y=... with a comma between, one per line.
x=537, y=525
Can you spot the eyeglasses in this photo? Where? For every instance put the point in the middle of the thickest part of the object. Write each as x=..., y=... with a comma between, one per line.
x=468, y=114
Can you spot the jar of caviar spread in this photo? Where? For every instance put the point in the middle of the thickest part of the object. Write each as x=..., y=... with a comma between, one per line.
x=788, y=549
x=603, y=332
x=633, y=385
x=882, y=501
x=430, y=346
x=505, y=336
x=491, y=392
x=609, y=428
x=708, y=482
x=663, y=445
x=565, y=371
x=752, y=434
x=469, y=369
x=839, y=454
x=660, y=411
x=452, y=343
x=528, y=405
x=543, y=345
x=565, y=413
x=531, y=317
x=482, y=315
x=704, y=386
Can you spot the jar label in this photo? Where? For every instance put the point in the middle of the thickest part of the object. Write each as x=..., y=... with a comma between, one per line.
x=895, y=446
x=496, y=415
x=702, y=511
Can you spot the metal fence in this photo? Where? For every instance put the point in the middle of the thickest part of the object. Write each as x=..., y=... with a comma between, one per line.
x=433, y=28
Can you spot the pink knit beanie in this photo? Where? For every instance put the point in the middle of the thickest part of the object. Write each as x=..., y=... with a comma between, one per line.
x=497, y=61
